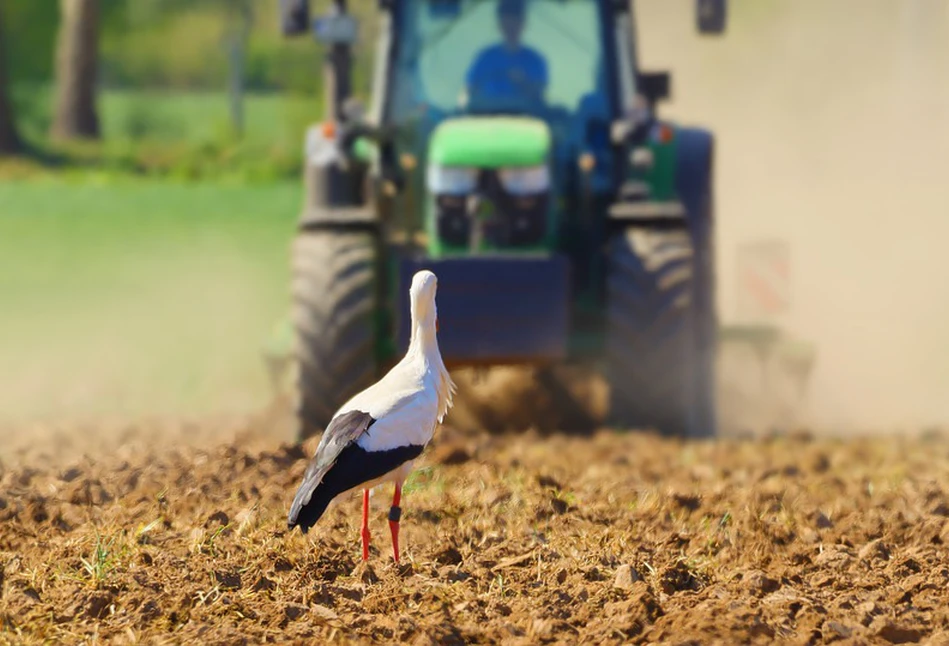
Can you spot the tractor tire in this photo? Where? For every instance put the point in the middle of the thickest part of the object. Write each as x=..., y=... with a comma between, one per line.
x=695, y=184
x=651, y=330
x=334, y=301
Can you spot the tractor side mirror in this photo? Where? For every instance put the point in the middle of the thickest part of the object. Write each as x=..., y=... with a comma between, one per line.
x=711, y=16
x=655, y=86
x=337, y=29
x=294, y=17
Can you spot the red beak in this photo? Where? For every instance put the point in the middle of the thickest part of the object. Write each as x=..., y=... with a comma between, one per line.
x=436, y=325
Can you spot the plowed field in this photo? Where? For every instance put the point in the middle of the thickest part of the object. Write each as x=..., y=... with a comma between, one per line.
x=522, y=539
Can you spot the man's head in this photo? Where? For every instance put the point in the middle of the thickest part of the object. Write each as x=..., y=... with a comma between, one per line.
x=511, y=20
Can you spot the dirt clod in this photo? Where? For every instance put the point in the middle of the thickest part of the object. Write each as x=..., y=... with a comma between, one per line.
x=834, y=557
x=690, y=502
x=625, y=577
x=838, y=629
x=450, y=455
x=150, y=611
x=547, y=482
x=217, y=518
x=895, y=633
x=366, y=573
x=874, y=550
x=759, y=583
x=70, y=474
x=822, y=521
x=294, y=611
x=322, y=613
x=228, y=580
x=559, y=505
x=264, y=584
x=448, y=556
x=679, y=577
x=96, y=604
x=515, y=561
x=88, y=492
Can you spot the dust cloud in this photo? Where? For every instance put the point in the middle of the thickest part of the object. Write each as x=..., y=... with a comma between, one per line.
x=174, y=333
x=832, y=134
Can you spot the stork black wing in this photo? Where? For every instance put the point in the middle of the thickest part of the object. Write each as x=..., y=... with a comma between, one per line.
x=355, y=466
x=342, y=431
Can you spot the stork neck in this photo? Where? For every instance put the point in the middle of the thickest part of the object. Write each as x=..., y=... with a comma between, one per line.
x=423, y=327
x=423, y=341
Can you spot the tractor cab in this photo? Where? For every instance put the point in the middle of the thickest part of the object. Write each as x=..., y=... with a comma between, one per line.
x=543, y=64
x=499, y=101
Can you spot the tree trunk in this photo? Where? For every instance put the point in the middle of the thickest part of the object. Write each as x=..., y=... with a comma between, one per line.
x=235, y=85
x=76, y=61
x=240, y=20
x=9, y=139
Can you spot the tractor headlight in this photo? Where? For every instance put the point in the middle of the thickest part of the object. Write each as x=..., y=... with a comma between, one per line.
x=319, y=147
x=451, y=180
x=528, y=180
x=642, y=158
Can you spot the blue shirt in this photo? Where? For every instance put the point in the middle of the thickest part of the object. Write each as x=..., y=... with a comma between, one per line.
x=500, y=73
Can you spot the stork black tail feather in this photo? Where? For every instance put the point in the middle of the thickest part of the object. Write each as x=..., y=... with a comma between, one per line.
x=308, y=515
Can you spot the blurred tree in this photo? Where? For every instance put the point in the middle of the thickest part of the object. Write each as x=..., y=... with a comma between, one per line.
x=239, y=22
x=9, y=139
x=77, y=54
x=31, y=38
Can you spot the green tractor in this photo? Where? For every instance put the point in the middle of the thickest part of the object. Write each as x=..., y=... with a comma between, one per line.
x=513, y=148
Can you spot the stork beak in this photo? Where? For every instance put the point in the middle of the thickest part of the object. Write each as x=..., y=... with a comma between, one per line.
x=436, y=324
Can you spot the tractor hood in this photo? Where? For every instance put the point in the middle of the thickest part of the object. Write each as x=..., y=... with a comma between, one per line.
x=490, y=142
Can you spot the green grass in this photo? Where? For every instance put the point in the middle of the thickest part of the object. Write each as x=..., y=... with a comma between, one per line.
x=103, y=560
x=179, y=135
x=124, y=296
x=205, y=116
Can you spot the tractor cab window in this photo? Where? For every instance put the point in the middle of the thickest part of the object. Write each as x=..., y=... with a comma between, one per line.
x=538, y=57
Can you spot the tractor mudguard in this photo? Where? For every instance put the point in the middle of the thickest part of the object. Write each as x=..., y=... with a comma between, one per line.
x=494, y=309
x=693, y=177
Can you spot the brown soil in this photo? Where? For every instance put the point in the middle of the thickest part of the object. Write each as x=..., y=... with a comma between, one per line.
x=516, y=539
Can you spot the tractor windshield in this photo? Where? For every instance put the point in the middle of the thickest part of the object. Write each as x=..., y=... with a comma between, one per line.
x=542, y=57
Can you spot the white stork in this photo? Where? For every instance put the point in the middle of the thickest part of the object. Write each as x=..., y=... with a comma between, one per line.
x=376, y=436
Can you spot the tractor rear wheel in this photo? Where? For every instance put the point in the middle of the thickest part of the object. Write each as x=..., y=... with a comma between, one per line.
x=334, y=302
x=651, y=336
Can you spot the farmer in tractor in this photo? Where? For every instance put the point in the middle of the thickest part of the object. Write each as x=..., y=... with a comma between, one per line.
x=509, y=72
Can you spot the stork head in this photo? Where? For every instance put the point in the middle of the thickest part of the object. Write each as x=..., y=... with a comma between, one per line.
x=422, y=296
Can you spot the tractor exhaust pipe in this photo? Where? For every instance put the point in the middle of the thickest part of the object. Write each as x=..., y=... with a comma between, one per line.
x=337, y=30
x=338, y=71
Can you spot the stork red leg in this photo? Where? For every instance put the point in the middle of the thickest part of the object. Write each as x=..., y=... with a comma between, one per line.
x=395, y=514
x=365, y=524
